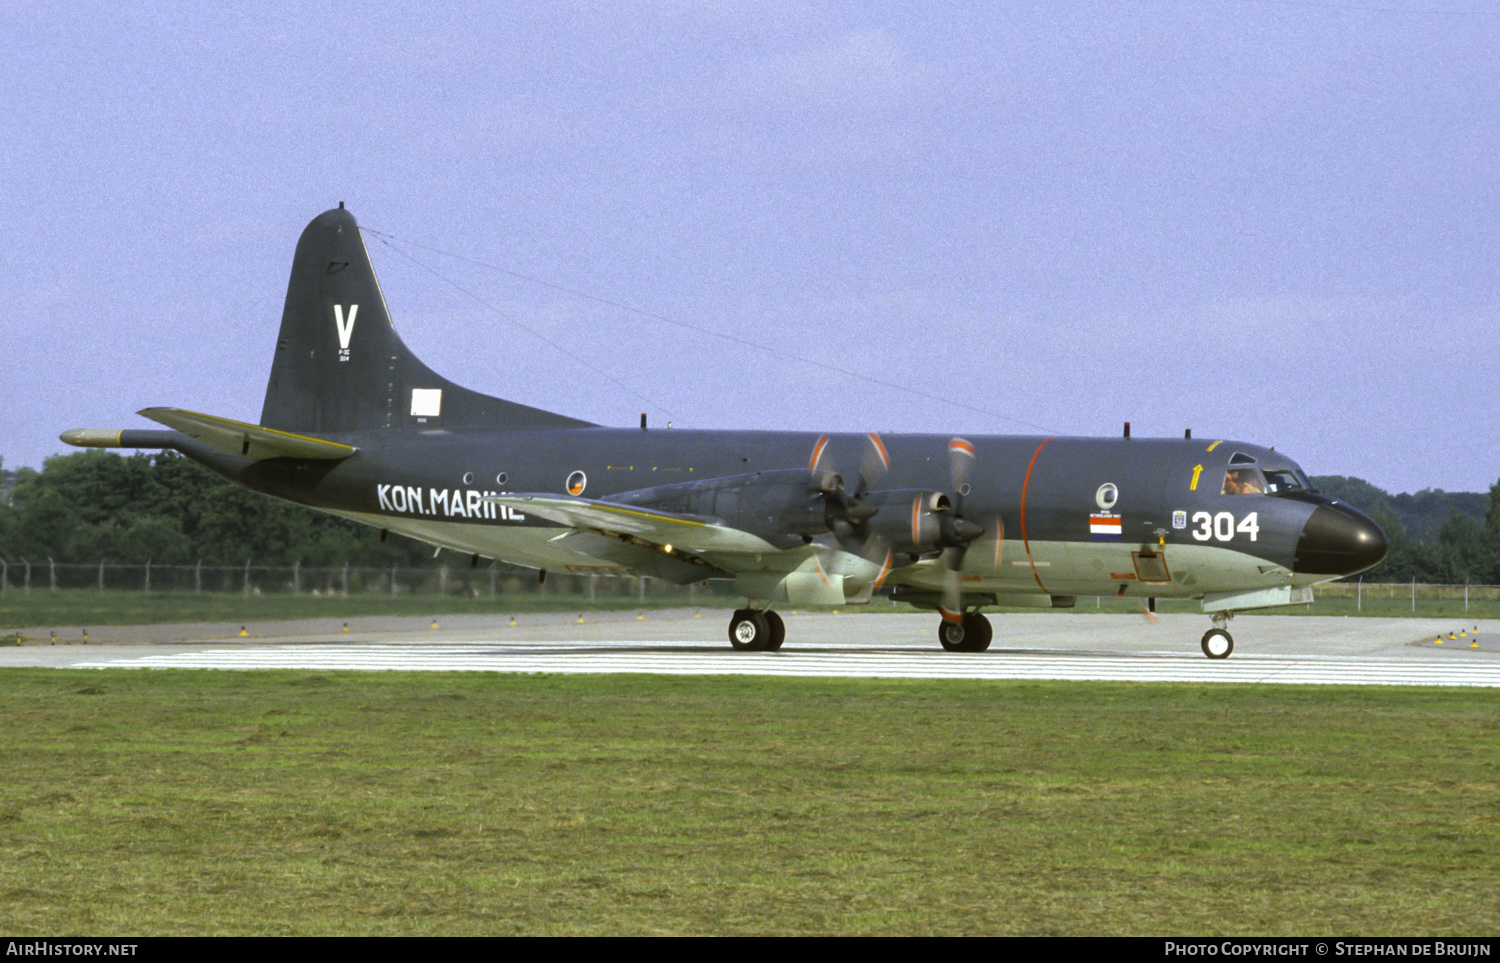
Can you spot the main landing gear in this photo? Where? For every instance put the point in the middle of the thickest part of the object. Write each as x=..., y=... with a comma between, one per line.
x=1217, y=642
x=764, y=631
x=753, y=631
x=971, y=634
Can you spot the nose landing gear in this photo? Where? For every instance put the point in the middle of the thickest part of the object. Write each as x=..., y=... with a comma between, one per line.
x=1217, y=642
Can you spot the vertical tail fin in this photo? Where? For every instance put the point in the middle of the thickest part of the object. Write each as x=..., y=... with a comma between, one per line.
x=340, y=365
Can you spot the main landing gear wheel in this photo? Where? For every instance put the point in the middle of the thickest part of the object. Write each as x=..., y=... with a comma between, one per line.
x=778, y=630
x=973, y=634
x=1217, y=644
x=752, y=631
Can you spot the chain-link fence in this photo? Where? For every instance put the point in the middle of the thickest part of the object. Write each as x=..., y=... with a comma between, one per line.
x=1413, y=595
x=461, y=581
x=27, y=576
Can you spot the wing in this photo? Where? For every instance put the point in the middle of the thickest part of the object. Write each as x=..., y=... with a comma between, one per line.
x=789, y=534
x=686, y=532
x=665, y=545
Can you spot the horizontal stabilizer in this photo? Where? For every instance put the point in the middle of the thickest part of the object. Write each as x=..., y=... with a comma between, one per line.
x=662, y=528
x=246, y=440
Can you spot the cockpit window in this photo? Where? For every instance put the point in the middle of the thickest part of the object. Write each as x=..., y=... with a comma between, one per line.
x=1267, y=481
x=1243, y=481
x=1285, y=480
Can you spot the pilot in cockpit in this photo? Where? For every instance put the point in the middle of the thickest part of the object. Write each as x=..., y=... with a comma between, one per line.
x=1243, y=481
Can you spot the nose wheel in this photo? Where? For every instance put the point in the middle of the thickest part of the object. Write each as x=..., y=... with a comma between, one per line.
x=1217, y=642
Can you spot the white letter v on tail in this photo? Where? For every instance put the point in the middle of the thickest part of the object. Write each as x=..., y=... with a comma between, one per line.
x=346, y=328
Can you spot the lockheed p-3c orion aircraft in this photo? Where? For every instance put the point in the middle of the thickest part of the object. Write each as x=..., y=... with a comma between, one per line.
x=355, y=425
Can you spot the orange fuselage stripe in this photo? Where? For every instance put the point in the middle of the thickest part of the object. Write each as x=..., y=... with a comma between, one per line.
x=1025, y=487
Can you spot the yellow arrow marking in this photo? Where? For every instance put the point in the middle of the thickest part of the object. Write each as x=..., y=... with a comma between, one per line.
x=1197, y=470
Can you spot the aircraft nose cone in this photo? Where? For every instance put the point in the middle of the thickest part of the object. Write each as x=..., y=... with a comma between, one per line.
x=1338, y=540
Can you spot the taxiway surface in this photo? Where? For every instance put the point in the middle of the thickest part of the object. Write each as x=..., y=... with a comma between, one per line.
x=1052, y=645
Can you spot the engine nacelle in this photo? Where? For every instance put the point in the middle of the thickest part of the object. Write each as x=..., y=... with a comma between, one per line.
x=912, y=522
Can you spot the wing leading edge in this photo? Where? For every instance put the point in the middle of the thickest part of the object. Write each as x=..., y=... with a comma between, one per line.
x=661, y=544
x=684, y=532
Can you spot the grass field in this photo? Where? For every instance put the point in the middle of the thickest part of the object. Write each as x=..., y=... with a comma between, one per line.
x=178, y=802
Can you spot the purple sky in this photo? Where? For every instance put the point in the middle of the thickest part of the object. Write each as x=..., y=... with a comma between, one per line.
x=1272, y=221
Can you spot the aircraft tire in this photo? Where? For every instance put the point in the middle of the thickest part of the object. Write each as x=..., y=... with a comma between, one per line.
x=973, y=634
x=749, y=631
x=778, y=630
x=951, y=636
x=977, y=632
x=1217, y=644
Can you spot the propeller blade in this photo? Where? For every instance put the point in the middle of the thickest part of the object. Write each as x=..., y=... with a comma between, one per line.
x=875, y=463
x=952, y=608
x=819, y=446
x=960, y=457
x=821, y=468
x=885, y=565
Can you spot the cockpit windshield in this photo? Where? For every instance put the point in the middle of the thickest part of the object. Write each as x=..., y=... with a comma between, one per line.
x=1245, y=477
x=1245, y=480
x=1286, y=480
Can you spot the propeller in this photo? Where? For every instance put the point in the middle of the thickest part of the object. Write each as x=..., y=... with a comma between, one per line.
x=854, y=550
x=840, y=504
x=863, y=551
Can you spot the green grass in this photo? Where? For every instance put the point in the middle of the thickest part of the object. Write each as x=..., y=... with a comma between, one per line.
x=140, y=802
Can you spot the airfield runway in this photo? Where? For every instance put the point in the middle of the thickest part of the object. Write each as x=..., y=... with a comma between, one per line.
x=1054, y=645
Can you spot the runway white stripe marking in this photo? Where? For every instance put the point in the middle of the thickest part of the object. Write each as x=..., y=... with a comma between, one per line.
x=677, y=658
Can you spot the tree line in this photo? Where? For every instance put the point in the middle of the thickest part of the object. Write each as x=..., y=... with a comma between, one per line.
x=1437, y=537
x=163, y=508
